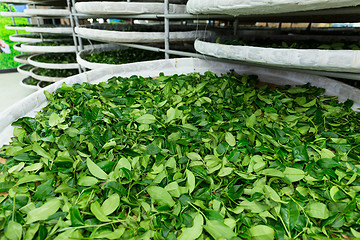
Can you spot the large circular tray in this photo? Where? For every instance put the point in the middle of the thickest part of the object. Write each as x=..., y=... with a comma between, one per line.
x=32, y=48
x=21, y=69
x=33, y=87
x=47, y=12
x=33, y=103
x=80, y=57
x=17, y=47
x=251, y=7
x=22, y=58
x=15, y=27
x=51, y=65
x=29, y=38
x=112, y=8
x=48, y=29
x=314, y=59
x=152, y=35
x=44, y=78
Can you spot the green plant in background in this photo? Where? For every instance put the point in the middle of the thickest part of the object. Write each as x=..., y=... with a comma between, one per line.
x=7, y=60
x=183, y=157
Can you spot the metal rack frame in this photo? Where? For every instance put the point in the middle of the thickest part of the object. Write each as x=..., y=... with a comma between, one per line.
x=347, y=13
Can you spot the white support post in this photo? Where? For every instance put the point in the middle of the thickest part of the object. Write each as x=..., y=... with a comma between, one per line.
x=167, y=27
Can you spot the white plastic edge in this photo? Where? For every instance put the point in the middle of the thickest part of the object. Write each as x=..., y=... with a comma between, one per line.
x=139, y=37
x=248, y=7
x=58, y=30
x=52, y=65
x=80, y=57
x=314, y=59
x=17, y=1
x=47, y=49
x=20, y=58
x=34, y=102
x=44, y=78
x=17, y=38
x=22, y=38
x=14, y=14
x=10, y=27
x=110, y=8
x=47, y=12
x=17, y=47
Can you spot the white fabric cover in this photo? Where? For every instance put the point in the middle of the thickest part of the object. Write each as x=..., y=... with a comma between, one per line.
x=14, y=14
x=44, y=78
x=109, y=8
x=51, y=65
x=47, y=12
x=316, y=59
x=139, y=37
x=22, y=58
x=57, y=30
x=33, y=103
x=253, y=7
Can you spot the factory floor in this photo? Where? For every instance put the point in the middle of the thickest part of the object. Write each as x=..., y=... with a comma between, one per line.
x=11, y=90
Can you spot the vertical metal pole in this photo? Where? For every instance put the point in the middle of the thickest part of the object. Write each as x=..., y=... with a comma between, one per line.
x=38, y=24
x=12, y=18
x=167, y=27
x=76, y=23
x=73, y=31
x=236, y=25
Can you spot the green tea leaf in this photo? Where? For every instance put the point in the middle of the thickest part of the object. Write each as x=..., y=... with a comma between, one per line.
x=111, y=204
x=95, y=170
x=230, y=139
x=160, y=195
x=317, y=210
x=290, y=214
x=190, y=180
x=219, y=230
x=193, y=232
x=13, y=231
x=262, y=232
x=43, y=212
x=98, y=212
x=75, y=217
x=251, y=121
x=146, y=119
x=293, y=174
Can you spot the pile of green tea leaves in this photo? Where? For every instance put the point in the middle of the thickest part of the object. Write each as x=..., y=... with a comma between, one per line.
x=122, y=56
x=310, y=44
x=62, y=58
x=56, y=72
x=183, y=157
